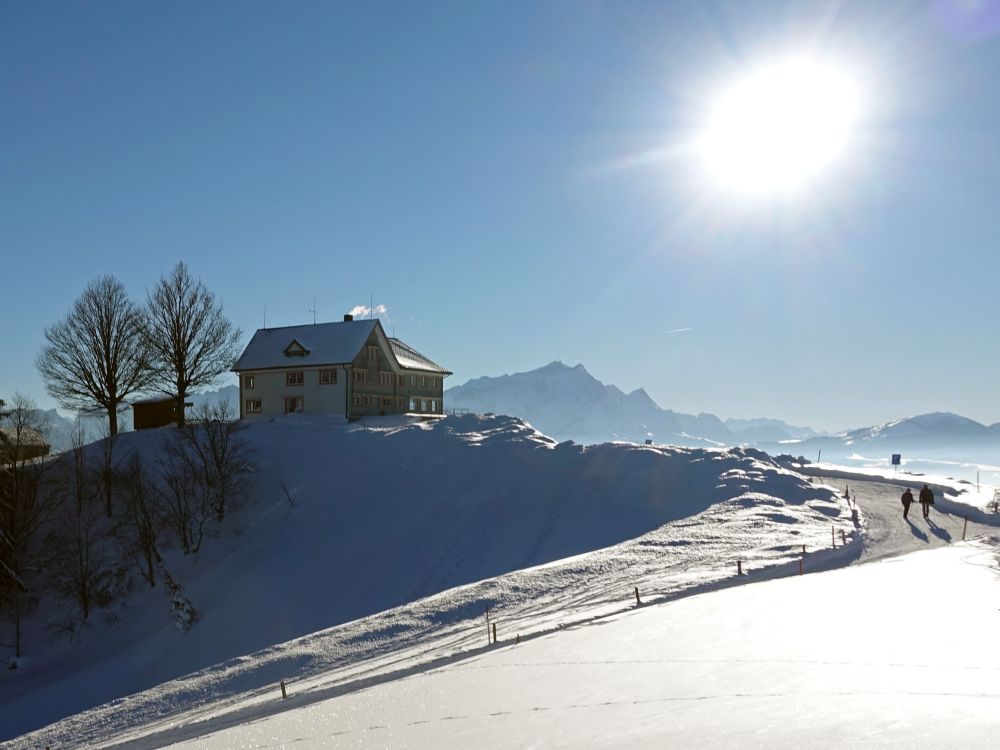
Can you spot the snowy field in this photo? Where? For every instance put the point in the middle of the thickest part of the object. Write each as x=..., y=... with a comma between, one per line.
x=476, y=513
x=895, y=654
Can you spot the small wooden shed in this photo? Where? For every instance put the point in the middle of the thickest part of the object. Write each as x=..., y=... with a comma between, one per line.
x=157, y=411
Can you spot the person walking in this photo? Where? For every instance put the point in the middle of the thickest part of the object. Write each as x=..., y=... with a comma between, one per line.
x=926, y=500
x=907, y=499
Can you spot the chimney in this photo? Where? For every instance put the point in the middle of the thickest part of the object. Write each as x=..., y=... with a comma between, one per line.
x=348, y=317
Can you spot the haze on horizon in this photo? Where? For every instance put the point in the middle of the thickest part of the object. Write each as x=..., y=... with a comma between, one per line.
x=528, y=182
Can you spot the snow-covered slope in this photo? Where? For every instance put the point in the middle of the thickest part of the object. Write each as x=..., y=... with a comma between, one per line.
x=569, y=403
x=895, y=654
x=934, y=427
x=347, y=521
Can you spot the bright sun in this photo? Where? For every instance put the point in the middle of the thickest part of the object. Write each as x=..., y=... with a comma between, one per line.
x=776, y=129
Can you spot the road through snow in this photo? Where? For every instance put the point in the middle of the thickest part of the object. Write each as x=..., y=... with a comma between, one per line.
x=885, y=533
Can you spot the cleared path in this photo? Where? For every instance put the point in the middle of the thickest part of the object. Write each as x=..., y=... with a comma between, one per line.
x=886, y=534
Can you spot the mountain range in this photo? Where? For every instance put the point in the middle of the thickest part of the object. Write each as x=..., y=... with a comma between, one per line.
x=568, y=403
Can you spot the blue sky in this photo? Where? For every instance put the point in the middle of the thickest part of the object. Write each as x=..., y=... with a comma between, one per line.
x=515, y=183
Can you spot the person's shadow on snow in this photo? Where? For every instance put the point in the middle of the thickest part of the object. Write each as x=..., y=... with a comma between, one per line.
x=940, y=533
x=917, y=532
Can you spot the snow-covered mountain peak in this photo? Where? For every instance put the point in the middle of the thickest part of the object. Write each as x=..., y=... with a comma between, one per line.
x=570, y=403
x=640, y=396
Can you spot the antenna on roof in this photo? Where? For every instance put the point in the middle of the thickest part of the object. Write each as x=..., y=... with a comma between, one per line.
x=371, y=306
x=313, y=309
x=265, y=316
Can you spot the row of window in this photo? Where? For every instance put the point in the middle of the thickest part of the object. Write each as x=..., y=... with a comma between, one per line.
x=294, y=404
x=384, y=402
x=329, y=377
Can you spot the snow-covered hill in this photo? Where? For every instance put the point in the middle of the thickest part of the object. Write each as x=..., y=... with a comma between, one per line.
x=570, y=404
x=895, y=654
x=394, y=532
x=942, y=427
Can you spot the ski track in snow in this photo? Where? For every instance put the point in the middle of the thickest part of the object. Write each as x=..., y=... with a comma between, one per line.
x=764, y=529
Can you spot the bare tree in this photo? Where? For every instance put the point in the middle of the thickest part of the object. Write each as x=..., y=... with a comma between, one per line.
x=203, y=469
x=222, y=457
x=108, y=471
x=191, y=342
x=96, y=357
x=24, y=507
x=185, y=506
x=78, y=557
x=142, y=520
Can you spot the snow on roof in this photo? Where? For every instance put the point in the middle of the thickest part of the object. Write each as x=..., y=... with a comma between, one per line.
x=325, y=344
x=153, y=400
x=410, y=359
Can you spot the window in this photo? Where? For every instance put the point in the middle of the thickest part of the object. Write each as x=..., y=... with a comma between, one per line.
x=253, y=406
x=373, y=354
x=248, y=382
x=386, y=403
x=295, y=349
x=328, y=377
x=360, y=376
x=423, y=381
x=294, y=404
x=399, y=403
x=413, y=404
x=434, y=405
x=356, y=400
x=413, y=379
x=385, y=378
x=401, y=380
x=294, y=378
x=426, y=405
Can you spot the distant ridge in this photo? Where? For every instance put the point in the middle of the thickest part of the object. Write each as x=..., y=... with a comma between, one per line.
x=568, y=403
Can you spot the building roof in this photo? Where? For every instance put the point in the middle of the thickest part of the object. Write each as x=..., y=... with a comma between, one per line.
x=410, y=359
x=325, y=344
x=337, y=343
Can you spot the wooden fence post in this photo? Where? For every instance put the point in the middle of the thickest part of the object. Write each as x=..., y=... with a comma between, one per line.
x=739, y=567
x=637, y=600
x=964, y=527
x=487, y=625
x=494, y=632
x=843, y=538
x=833, y=537
x=284, y=695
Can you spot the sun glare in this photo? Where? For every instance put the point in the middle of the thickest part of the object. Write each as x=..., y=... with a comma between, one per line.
x=776, y=129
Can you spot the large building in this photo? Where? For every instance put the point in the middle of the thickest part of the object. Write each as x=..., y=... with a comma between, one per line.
x=350, y=368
